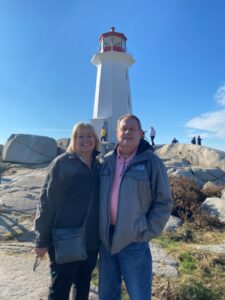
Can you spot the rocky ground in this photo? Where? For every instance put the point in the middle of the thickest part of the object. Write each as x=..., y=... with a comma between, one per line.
x=19, y=281
x=19, y=189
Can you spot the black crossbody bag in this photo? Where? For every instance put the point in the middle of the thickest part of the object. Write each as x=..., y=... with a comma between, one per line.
x=70, y=243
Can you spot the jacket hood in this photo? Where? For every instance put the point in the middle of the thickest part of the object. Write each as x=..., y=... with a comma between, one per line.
x=143, y=145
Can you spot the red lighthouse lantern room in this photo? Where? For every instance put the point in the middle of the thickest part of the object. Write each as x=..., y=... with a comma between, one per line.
x=112, y=41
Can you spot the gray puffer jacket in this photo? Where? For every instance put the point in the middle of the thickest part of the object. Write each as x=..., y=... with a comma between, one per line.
x=145, y=200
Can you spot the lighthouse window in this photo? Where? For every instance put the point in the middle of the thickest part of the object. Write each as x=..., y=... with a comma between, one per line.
x=107, y=42
x=126, y=75
x=116, y=41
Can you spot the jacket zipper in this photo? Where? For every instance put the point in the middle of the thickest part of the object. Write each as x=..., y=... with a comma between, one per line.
x=124, y=170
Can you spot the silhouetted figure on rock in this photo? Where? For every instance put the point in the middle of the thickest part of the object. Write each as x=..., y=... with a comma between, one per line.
x=193, y=141
x=175, y=141
x=199, y=140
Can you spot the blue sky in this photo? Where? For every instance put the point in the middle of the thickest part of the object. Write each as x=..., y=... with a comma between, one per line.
x=47, y=82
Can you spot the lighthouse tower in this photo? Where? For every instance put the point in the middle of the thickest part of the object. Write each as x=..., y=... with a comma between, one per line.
x=112, y=93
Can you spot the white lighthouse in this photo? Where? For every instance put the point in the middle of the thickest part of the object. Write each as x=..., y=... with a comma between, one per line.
x=112, y=93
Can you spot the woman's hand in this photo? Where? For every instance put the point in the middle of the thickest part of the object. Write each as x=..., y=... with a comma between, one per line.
x=40, y=252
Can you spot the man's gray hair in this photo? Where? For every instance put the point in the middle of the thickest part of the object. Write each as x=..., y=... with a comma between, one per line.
x=129, y=116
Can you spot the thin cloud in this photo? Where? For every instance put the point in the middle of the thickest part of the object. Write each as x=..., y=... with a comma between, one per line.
x=220, y=96
x=191, y=133
x=211, y=123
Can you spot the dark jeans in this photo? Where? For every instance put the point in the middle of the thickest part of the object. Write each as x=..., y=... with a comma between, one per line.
x=152, y=140
x=63, y=276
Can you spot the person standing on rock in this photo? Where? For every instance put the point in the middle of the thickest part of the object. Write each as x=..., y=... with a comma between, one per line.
x=175, y=141
x=135, y=205
x=193, y=141
x=152, y=135
x=199, y=140
x=103, y=134
x=71, y=185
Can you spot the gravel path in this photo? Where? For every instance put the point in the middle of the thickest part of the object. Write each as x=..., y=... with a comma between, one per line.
x=17, y=279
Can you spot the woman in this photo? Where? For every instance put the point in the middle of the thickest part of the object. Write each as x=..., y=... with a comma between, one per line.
x=71, y=183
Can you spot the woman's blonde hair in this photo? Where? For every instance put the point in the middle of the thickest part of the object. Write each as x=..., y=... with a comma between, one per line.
x=71, y=148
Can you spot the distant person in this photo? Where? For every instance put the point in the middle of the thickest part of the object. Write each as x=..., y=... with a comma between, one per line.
x=175, y=141
x=145, y=141
x=193, y=141
x=103, y=134
x=199, y=140
x=143, y=135
x=152, y=135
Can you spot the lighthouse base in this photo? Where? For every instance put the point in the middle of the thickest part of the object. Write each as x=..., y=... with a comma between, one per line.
x=107, y=123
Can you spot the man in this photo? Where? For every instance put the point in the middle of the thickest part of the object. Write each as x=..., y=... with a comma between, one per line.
x=199, y=140
x=135, y=204
x=152, y=135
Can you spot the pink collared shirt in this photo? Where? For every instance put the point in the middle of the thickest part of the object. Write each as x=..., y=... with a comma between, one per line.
x=121, y=164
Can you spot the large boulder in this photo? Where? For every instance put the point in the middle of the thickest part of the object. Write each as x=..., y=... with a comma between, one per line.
x=30, y=149
x=204, y=177
x=215, y=207
x=62, y=145
x=201, y=164
x=194, y=154
x=173, y=224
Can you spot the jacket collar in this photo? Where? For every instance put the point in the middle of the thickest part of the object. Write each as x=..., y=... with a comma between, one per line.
x=144, y=152
x=75, y=155
x=143, y=145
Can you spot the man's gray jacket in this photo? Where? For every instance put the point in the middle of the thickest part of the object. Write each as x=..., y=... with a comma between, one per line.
x=145, y=201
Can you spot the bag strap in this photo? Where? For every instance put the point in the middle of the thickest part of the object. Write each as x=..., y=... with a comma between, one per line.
x=89, y=207
x=90, y=204
x=92, y=196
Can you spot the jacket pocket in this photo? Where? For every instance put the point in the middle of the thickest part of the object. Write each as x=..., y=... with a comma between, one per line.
x=138, y=173
x=139, y=181
x=141, y=227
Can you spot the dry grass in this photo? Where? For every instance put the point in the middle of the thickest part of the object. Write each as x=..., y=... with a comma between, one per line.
x=201, y=277
x=188, y=198
x=201, y=273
